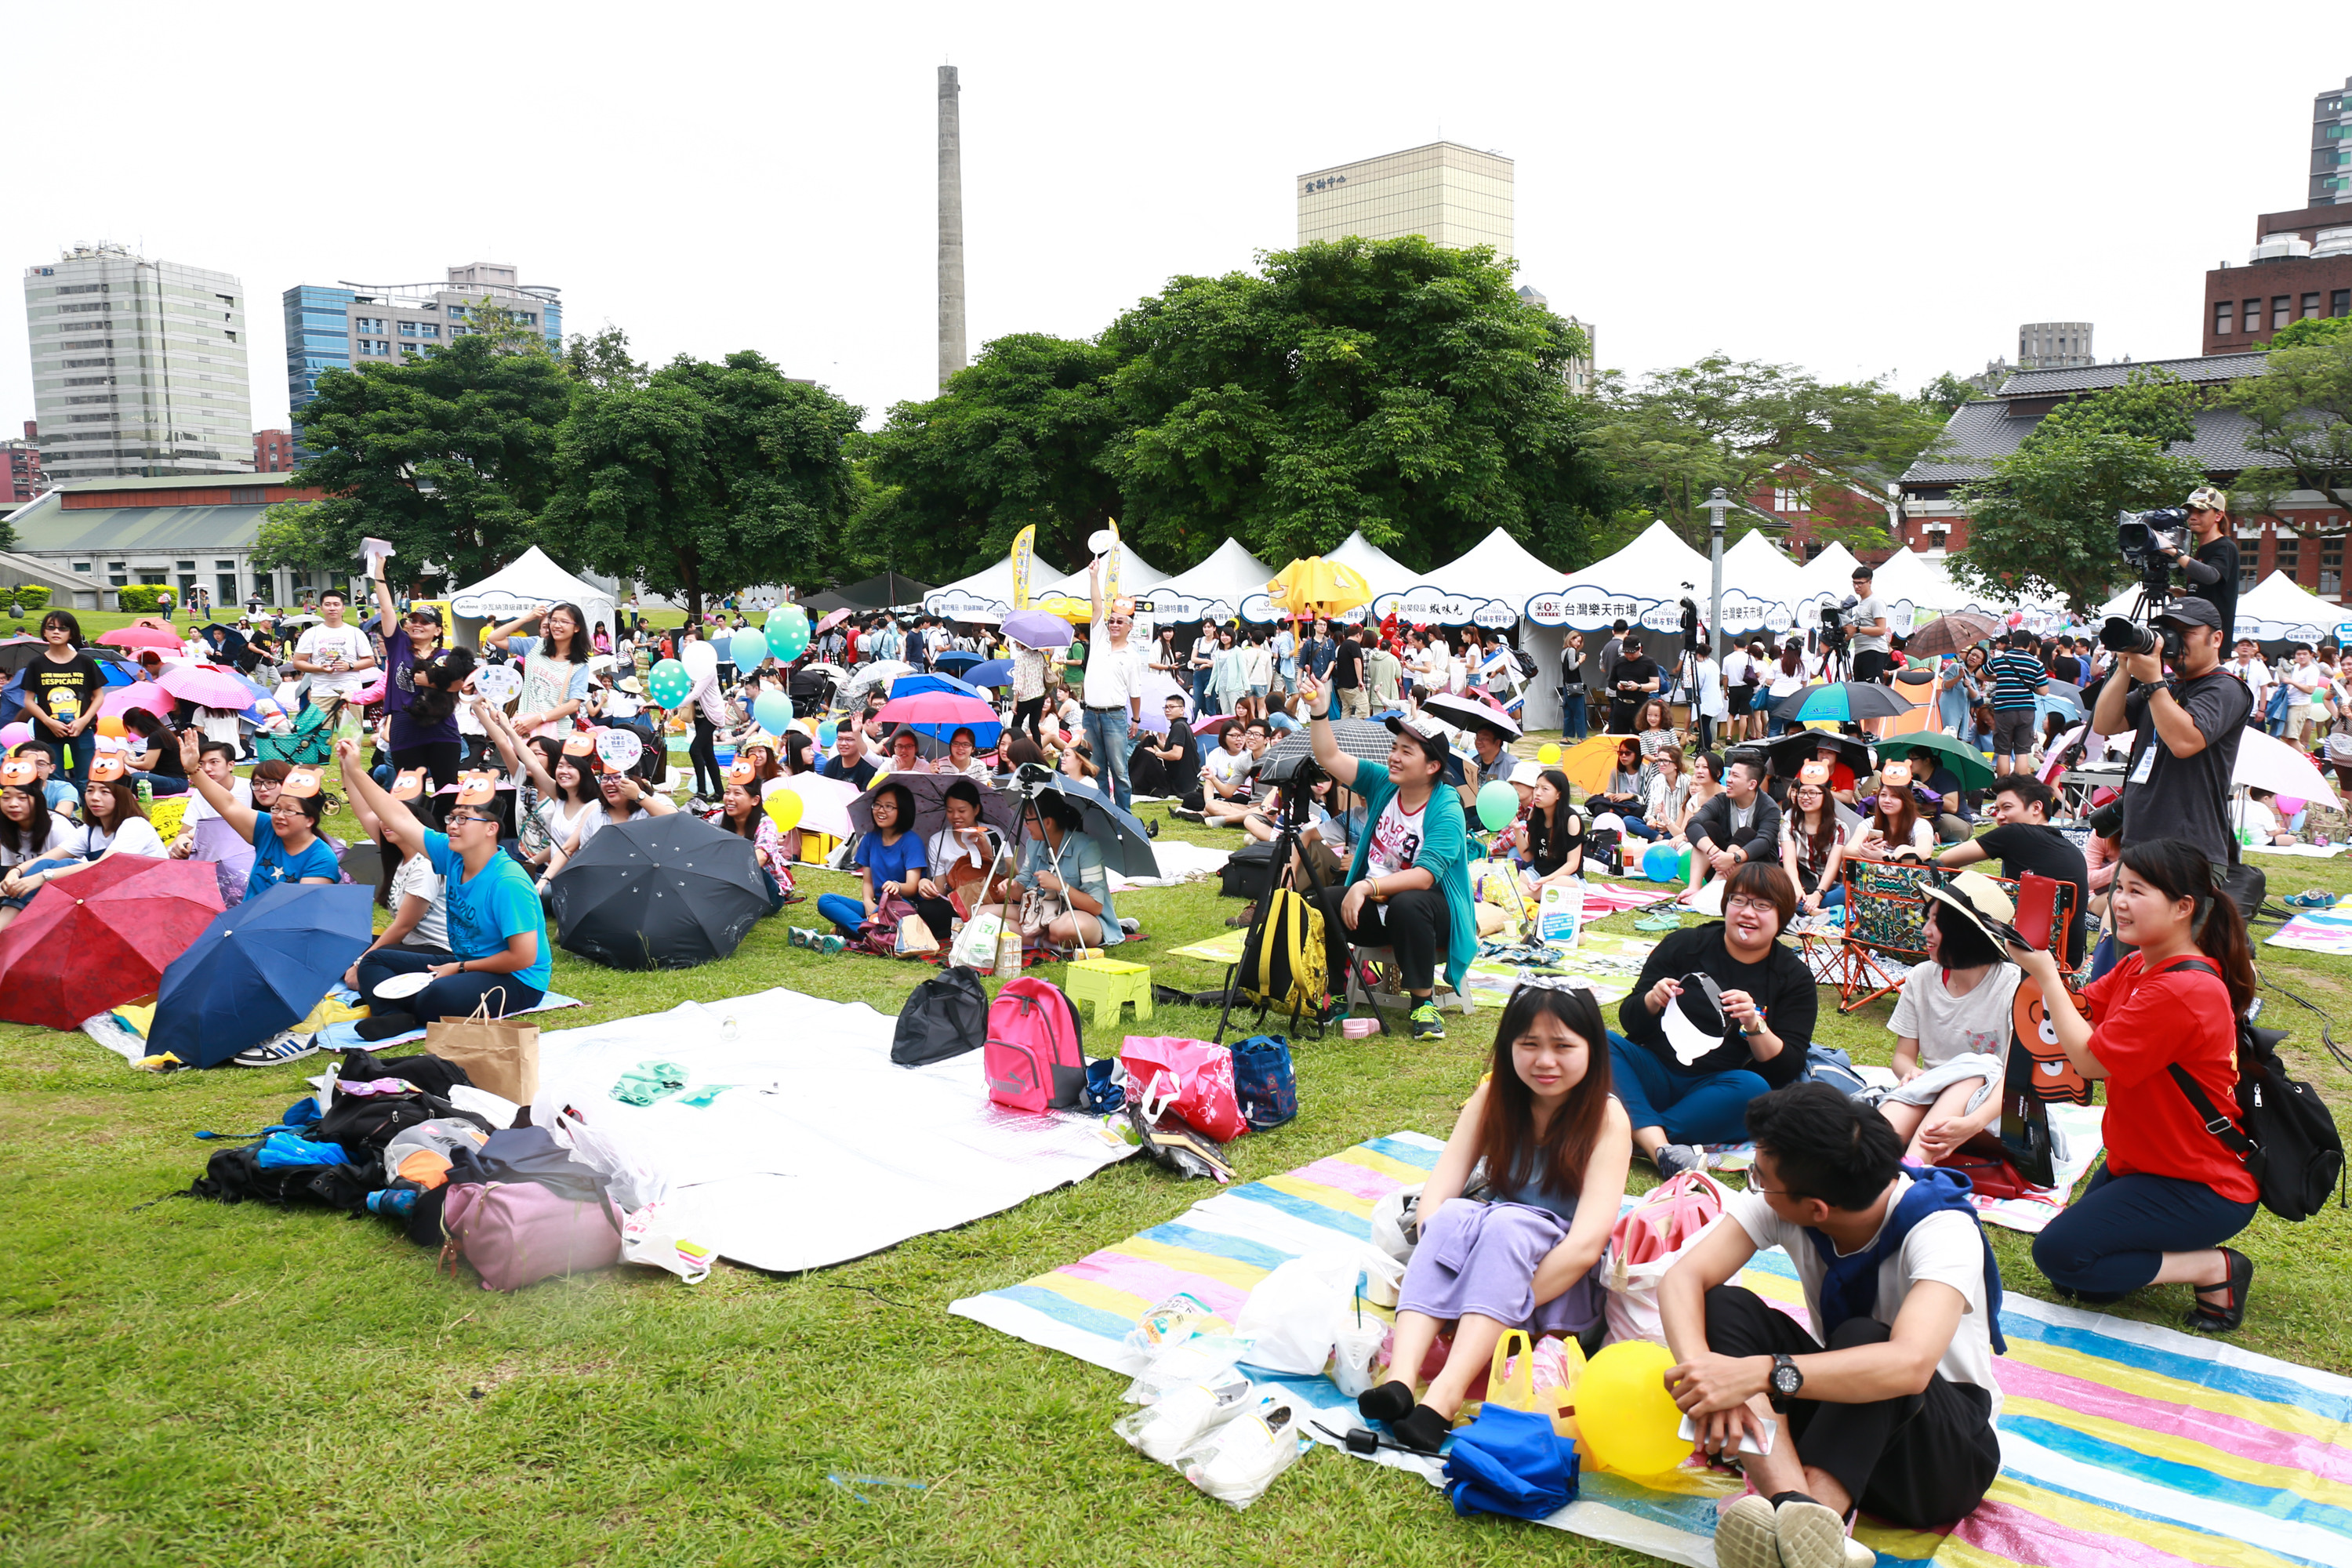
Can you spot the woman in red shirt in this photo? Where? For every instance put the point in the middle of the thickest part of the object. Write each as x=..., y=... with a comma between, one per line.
x=2168, y=1193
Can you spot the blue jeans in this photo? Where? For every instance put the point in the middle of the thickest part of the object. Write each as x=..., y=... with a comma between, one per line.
x=35, y=869
x=843, y=911
x=84, y=746
x=1106, y=733
x=1639, y=829
x=1571, y=712
x=1690, y=1108
x=158, y=783
x=1201, y=690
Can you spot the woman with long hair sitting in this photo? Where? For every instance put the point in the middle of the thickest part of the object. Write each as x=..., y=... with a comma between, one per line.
x=739, y=814
x=1811, y=848
x=407, y=885
x=1953, y=1023
x=889, y=861
x=1555, y=1145
x=2170, y=1190
x=31, y=837
x=1894, y=829
x=1629, y=784
x=1555, y=832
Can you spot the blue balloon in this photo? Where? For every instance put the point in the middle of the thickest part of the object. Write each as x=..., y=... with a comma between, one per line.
x=787, y=631
x=826, y=733
x=747, y=648
x=772, y=711
x=1660, y=862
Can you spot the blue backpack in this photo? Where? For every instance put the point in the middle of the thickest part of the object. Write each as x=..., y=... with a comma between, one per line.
x=1264, y=1083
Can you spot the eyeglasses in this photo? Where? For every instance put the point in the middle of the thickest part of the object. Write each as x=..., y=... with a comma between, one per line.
x=1753, y=906
x=458, y=819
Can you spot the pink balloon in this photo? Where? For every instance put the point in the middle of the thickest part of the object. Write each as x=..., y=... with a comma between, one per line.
x=15, y=735
x=2289, y=805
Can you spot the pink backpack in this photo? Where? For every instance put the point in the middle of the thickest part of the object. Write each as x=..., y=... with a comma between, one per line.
x=1031, y=1058
x=519, y=1233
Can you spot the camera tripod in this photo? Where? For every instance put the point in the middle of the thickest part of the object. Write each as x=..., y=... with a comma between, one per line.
x=1281, y=878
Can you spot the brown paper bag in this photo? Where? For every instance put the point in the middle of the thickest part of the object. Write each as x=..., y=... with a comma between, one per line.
x=498, y=1054
x=915, y=936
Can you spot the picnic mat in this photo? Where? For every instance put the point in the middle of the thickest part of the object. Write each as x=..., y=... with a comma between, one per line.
x=2121, y=1443
x=1604, y=899
x=1179, y=862
x=123, y=1030
x=791, y=1141
x=1608, y=962
x=2308, y=851
x=2316, y=930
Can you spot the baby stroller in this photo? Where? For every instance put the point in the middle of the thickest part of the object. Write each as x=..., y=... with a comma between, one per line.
x=311, y=741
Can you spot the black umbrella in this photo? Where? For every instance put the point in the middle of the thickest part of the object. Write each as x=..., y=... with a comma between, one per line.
x=1126, y=847
x=1841, y=699
x=1792, y=751
x=999, y=811
x=1469, y=713
x=658, y=892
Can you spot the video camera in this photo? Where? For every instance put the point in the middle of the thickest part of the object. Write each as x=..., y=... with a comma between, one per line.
x=1834, y=628
x=2142, y=539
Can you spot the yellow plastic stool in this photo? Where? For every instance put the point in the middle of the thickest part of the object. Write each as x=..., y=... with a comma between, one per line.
x=1108, y=982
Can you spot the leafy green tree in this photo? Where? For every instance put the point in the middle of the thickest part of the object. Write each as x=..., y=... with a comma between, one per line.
x=2313, y=329
x=1391, y=386
x=1016, y=439
x=2300, y=414
x=709, y=478
x=289, y=538
x=1674, y=436
x=449, y=456
x=1945, y=393
x=2047, y=512
x=603, y=360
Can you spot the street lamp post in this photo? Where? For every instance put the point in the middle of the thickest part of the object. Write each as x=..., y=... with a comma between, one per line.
x=1718, y=503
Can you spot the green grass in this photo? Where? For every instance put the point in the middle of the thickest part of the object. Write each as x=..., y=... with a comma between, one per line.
x=191, y=1383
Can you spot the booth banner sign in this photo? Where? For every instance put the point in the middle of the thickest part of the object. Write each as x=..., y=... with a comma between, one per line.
x=1495, y=615
x=1590, y=609
x=1427, y=606
x=1903, y=616
x=2344, y=634
x=1024, y=549
x=499, y=606
x=1265, y=612
x=1583, y=608
x=1163, y=605
x=955, y=605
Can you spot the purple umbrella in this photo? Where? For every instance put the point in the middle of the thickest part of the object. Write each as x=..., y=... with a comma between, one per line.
x=1038, y=629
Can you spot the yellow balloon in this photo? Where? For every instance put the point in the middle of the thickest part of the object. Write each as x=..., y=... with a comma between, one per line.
x=1548, y=753
x=111, y=726
x=784, y=809
x=1624, y=1416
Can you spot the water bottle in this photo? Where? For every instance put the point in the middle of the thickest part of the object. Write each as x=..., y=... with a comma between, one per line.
x=146, y=794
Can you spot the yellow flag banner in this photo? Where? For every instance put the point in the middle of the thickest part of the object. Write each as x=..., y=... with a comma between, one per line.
x=1025, y=549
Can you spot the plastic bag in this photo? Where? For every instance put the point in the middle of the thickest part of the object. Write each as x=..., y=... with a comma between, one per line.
x=1172, y=1367
x=1195, y=1079
x=1239, y=1457
x=1665, y=1225
x=975, y=946
x=1294, y=1314
x=1558, y=1363
x=1356, y=1352
x=1170, y=1322
x=655, y=1237
x=1184, y=1416
x=632, y=1183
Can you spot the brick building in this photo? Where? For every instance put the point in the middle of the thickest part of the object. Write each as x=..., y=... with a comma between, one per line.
x=273, y=451
x=1804, y=499
x=21, y=478
x=2301, y=266
x=2306, y=540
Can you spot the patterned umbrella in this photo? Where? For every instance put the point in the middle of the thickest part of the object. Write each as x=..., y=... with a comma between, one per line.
x=1955, y=632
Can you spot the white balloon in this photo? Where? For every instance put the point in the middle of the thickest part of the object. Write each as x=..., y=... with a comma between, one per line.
x=700, y=659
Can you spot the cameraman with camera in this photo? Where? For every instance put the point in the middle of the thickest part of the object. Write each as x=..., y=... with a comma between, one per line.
x=2212, y=571
x=2185, y=729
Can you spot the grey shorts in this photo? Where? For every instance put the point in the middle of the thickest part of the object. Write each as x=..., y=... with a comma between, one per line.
x=2012, y=731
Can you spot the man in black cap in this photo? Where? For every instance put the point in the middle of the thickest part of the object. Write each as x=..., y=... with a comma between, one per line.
x=2185, y=733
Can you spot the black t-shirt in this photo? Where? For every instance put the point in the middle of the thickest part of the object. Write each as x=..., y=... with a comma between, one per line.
x=861, y=775
x=2166, y=796
x=1549, y=852
x=2222, y=556
x=76, y=681
x=1187, y=765
x=1348, y=666
x=2024, y=846
x=1781, y=985
x=1636, y=670
x=2068, y=668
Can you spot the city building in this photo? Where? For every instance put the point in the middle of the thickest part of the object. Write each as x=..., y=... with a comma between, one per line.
x=2331, y=146
x=21, y=478
x=189, y=532
x=1455, y=195
x=379, y=323
x=138, y=366
x=1580, y=370
x=2301, y=266
x=2055, y=345
x=2304, y=538
x=1811, y=504
x=273, y=451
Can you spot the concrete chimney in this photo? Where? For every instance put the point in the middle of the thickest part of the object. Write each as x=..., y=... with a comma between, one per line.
x=952, y=359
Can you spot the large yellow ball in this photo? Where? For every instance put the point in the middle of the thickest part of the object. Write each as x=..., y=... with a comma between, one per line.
x=1624, y=1416
x=1548, y=753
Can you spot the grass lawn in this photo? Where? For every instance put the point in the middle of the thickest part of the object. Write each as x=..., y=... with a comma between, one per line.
x=191, y=1383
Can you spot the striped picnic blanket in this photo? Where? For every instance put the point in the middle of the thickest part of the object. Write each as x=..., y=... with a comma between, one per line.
x=2121, y=1443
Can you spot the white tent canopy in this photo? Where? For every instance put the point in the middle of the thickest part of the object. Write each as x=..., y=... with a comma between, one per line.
x=1382, y=573
x=2278, y=609
x=1755, y=565
x=530, y=582
x=1640, y=585
x=1486, y=585
x=1213, y=590
x=987, y=594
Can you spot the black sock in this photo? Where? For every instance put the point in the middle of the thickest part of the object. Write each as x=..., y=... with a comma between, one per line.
x=1425, y=1430
x=1780, y=1498
x=382, y=1025
x=1392, y=1401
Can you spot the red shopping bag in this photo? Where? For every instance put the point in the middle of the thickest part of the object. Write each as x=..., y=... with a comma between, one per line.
x=1192, y=1077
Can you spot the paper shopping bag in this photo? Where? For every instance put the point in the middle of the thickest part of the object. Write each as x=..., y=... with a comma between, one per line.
x=498, y=1054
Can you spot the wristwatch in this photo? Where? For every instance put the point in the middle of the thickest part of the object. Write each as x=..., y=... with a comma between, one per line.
x=1785, y=1381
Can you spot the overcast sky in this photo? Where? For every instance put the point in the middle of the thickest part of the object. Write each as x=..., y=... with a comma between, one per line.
x=1852, y=189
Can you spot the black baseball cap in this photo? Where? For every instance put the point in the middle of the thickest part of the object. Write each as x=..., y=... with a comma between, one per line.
x=2191, y=612
x=1425, y=732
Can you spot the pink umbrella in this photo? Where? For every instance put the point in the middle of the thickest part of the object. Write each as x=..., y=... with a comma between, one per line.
x=824, y=803
x=142, y=637
x=207, y=686
x=937, y=708
x=832, y=620
x=147, y=694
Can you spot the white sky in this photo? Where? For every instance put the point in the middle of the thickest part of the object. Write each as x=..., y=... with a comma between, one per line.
x=1849, y=188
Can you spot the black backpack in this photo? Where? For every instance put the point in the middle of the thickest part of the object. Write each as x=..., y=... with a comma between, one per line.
x=1248, y=873
x=944, y=1017
x=2289, y=1144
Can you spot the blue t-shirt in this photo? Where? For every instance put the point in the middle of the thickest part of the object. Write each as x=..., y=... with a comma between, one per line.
x=274, y=863
x=496, y=904
x=892, y=862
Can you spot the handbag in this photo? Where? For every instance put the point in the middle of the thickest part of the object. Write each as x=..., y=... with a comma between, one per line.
x=497, y=1055
x=1040, y=910
x=1510, y=1460
x=1192, y=1077
x=915, y=936
x=1264, y=1083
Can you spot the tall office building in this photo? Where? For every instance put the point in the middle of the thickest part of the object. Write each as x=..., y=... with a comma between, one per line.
x=1455, y=195
x=137, y=367
x=2055, y=345
x=2331, y=146
x=377, y=323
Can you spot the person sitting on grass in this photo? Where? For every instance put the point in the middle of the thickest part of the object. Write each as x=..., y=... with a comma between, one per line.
x=1893, y=830
x=1811, y=848
x=1741, y=827
x=1227, y=804
x=1890, y=1404
x=30, y=835
x=1952, y=1025
x=2170, y=1190
x=959, y=859
x=1062, y=861
x=498, y=936
x=1687, y=1068
x=64, y=799
x=410, y=887
x=739, y=814
x=1555, y=832
x=284, y=835
x=1628, y=791
x=1555, y=1145
x=890, y=862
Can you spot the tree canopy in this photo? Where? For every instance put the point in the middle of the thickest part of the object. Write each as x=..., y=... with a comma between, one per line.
x=2301, y=418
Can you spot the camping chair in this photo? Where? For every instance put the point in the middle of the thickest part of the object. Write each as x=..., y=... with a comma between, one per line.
x=1884, y=934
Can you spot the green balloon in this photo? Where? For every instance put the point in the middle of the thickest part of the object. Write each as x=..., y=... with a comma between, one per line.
x=1498, y=804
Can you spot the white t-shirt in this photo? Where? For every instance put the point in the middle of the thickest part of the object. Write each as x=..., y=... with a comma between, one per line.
x=1786, y=683
x=1946, y=1025
x=59, y=841
x=1396, y=839
x=201, y=810
x=321, y=641
x=1944, y=1247
x=1922, y=834
x=1114, y=675
x=415, y=875
x=137, y=837
x=2250, y=816
x=1864, y=611
x=2254, y=673
x=1228, y=770
x=560, y=822
x=1735, y=666
x=1712, y=704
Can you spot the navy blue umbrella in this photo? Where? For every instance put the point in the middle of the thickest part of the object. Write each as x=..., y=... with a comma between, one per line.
x=953, y=662
x=259, y=968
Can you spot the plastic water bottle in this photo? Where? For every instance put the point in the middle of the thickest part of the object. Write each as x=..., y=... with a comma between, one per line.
x=728, y=1030
x=146, y=794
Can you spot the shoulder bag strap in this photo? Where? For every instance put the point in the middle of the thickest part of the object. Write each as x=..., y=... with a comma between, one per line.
x=2224, y=1129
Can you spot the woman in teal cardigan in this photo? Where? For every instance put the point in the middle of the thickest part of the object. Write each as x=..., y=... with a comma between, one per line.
x=1409, y=886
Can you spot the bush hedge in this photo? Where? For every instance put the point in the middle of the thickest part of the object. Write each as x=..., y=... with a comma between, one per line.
x=28, y=597
x=139, y=598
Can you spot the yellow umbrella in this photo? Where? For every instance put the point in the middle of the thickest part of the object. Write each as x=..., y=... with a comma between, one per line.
x=1315, y=586
x=1589, y=762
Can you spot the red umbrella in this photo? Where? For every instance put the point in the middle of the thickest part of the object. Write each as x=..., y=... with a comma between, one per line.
x=143, y=637
x=103, y=937
x=207, y=686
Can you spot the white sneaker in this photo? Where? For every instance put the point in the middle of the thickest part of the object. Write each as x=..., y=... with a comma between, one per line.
x=289, y=1047
x=1745, y=1537
x=1814, y=1536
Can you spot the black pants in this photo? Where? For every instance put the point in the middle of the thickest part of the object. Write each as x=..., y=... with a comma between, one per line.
x=1706, y=733
x=1920, y=1459
x=705, y=755
x=938, y=913
x=1869, y=663
x=439, y=759
x=2112, y=1239
x=1413, y=923
x=1026, y=711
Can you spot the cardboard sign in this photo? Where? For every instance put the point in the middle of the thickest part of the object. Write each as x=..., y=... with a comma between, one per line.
x=499, y=683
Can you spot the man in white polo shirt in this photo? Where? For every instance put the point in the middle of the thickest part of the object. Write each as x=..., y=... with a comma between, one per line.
x=1113, y=691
